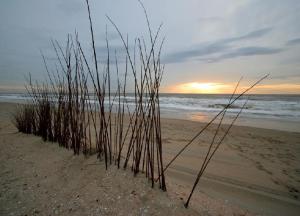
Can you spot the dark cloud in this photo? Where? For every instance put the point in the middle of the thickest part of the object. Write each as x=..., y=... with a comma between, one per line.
x=218, y=47
x=249, y=51
x=285, y=76
x=244, y=51
x=293, y=42
x=201, y=50
x=252, y=35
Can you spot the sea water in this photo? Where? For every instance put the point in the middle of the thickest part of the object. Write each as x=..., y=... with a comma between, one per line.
x=269, y=111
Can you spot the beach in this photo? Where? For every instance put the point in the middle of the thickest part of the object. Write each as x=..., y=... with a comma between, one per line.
x=255, y=172
x=150, y=108
x=255, y=168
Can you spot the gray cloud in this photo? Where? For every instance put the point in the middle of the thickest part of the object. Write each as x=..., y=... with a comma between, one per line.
x=251, y=35
x=244, y=51
x=285, y=76
x=202, y=50
x=217, y=47
x=293, y=42
x=248, y=51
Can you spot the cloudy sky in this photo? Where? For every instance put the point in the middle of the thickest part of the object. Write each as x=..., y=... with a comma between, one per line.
x=209, y=44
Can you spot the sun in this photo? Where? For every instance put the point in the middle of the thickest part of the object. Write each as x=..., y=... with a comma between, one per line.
x=202, y=86
x=197, y=87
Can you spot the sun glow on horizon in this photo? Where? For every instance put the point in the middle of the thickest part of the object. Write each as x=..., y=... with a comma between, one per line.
x=198, y=87
x=220, y=88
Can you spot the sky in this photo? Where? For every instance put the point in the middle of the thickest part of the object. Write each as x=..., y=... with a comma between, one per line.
x=208, y=45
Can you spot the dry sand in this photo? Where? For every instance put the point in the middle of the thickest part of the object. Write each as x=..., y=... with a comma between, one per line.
x=256, y=171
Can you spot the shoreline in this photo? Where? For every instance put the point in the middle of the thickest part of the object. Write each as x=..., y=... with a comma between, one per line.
x=254, y=172
x=204, y=117
x=264, y=123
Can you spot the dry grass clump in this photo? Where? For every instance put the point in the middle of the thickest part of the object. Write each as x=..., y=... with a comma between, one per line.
x=63, y=109
x=23, y=118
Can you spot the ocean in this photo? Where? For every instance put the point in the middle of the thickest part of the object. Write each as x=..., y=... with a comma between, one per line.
x=268, y=111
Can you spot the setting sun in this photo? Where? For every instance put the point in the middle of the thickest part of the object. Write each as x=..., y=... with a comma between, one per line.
x=198, y=87
x=202, y=86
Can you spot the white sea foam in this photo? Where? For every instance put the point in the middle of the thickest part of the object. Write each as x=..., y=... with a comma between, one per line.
x=285, y=107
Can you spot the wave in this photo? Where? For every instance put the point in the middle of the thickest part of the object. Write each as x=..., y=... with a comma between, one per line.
x=258, y=106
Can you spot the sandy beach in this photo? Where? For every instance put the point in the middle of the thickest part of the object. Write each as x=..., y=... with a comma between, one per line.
x=256, y=169
x=255, y=172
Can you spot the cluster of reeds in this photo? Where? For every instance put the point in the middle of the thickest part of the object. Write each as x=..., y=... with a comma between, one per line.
x=143, y=132
x=59, y=105
x=65, y=110
x=23, y=118
x=145, y=145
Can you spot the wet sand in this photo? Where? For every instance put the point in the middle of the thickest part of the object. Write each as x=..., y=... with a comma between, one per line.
x=256, y=169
